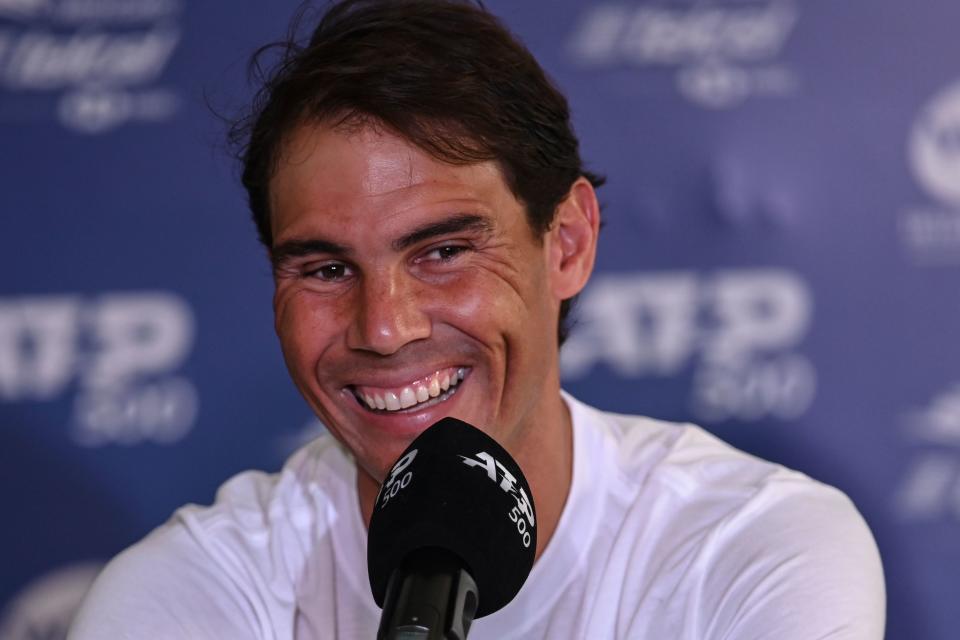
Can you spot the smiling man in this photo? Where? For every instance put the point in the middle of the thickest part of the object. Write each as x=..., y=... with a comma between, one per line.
x=418, y=185
x=409, y=289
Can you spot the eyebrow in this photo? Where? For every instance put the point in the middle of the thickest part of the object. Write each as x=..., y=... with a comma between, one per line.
x=290, y=249
x=454, y=224
x=286, y=251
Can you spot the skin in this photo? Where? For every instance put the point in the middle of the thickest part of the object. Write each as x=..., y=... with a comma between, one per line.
x=390, y=265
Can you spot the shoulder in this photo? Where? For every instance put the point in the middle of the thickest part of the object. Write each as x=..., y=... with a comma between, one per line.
x=317, y=473
x=162, y=587
x=287, y=507
x=760, y=547
x=678, y=459
x=683, y=463
x=224, y=569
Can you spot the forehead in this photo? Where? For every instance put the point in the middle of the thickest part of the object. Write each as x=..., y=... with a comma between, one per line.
x=348, y=172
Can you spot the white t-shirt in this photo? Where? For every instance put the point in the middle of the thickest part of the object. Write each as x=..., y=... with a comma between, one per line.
x=667, y=533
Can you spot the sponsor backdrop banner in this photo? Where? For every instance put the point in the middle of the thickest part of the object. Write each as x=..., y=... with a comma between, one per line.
x=780, y=263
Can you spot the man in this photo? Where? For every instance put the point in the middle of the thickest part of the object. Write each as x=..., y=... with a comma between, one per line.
x=416, y=180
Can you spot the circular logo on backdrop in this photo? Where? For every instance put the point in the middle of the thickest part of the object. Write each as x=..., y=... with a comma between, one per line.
x=934, y=147
x=45, y=608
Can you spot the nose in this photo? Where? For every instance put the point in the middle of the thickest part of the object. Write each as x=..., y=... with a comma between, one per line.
x=389, y=314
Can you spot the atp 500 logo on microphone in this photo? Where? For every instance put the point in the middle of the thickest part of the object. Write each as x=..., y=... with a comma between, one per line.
x=396, y=481
x=522, y=514
x=454, y=499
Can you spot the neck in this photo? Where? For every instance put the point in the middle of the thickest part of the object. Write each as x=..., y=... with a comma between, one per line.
x=547, y=463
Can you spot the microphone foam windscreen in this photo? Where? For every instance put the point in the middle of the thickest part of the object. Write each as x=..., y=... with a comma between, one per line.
x=455, y=488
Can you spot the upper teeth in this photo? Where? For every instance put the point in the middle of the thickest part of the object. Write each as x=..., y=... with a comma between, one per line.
x=414, y=393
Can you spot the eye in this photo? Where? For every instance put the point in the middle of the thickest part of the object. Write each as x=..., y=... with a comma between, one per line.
x=330, y=272
x=445, y=253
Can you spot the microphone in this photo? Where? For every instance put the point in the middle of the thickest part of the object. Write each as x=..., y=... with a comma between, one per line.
x=452, y=536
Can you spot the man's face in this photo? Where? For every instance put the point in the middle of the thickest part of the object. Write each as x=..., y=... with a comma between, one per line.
x=412, y=285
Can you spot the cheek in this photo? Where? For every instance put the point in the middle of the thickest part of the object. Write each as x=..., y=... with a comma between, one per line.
x=479, y=304
x=495, y=309
x=305, y=326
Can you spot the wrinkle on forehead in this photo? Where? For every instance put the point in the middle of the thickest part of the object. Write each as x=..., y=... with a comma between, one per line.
x=326, y=169
x=394, y=165
x=391, y=170
x=393, y=161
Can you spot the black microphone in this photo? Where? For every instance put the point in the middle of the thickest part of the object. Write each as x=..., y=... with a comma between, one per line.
x=452, y=536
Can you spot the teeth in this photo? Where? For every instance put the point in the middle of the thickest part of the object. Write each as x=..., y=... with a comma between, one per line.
x=422, y=394
x=439, y=386
x=393, y=402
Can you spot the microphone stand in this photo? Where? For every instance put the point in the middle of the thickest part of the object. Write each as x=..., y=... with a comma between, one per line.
x=430, y=596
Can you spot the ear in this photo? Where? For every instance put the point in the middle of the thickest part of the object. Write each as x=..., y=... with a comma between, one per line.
x=573, y=240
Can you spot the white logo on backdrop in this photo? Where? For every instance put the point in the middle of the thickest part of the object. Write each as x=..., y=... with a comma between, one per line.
x=932, y=233
x=931, y=487
x=97, y=56
x=723, y=54
x=121, y=350
x=46, y=607
x=67, y=11
x=934, y=146
x=22, y=8
x=736, y=328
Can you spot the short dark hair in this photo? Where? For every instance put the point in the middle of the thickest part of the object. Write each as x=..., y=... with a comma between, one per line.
x=444, y=74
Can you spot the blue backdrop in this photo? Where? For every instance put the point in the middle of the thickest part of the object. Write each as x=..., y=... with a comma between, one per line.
x=779, y=263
